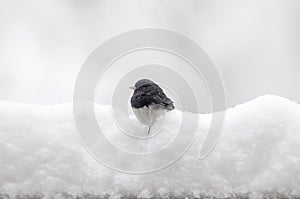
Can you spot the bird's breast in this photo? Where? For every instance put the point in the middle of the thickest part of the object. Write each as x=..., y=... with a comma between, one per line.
x=143, y=115
x=148, y=114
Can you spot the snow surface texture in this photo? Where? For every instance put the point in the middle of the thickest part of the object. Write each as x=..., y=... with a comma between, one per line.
x=259, y=152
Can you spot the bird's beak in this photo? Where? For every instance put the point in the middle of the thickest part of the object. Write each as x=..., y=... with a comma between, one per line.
x=132, y=87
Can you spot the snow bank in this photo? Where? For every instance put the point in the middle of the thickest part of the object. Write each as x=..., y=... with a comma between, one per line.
x=258, y=153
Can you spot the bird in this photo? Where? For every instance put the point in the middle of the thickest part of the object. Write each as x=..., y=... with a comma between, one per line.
x=149, y=102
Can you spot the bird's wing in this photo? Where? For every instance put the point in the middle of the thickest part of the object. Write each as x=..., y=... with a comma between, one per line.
x=157, y=96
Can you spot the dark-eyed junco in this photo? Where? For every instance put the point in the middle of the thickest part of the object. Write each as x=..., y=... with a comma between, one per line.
x=149, y=102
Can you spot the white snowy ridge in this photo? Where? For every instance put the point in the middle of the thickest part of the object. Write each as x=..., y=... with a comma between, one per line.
x=257, y=154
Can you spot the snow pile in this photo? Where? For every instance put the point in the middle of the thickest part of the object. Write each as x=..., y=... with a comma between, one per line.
x=258, y=153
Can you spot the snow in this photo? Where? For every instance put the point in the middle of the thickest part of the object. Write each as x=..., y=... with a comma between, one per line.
x=258, y=153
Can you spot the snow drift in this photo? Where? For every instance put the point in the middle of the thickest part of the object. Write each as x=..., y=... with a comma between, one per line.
x=258, y=153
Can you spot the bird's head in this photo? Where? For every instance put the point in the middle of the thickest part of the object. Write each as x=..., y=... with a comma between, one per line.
x=141, y=83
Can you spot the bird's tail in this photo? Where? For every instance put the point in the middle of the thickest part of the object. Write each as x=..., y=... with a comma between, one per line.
x=170, y=107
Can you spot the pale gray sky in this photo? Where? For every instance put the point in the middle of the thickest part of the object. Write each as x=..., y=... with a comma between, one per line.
x=255, y=44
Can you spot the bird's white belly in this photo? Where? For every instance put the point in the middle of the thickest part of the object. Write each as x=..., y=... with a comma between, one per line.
x=147, y=115
x=143, y=115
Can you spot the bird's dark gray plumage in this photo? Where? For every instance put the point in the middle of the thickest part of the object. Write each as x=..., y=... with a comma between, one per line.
x=147, y=93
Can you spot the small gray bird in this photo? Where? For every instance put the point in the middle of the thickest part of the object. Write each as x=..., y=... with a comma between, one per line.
x=149, y=102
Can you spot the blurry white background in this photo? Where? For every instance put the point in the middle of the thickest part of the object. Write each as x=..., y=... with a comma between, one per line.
x=255, y=44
